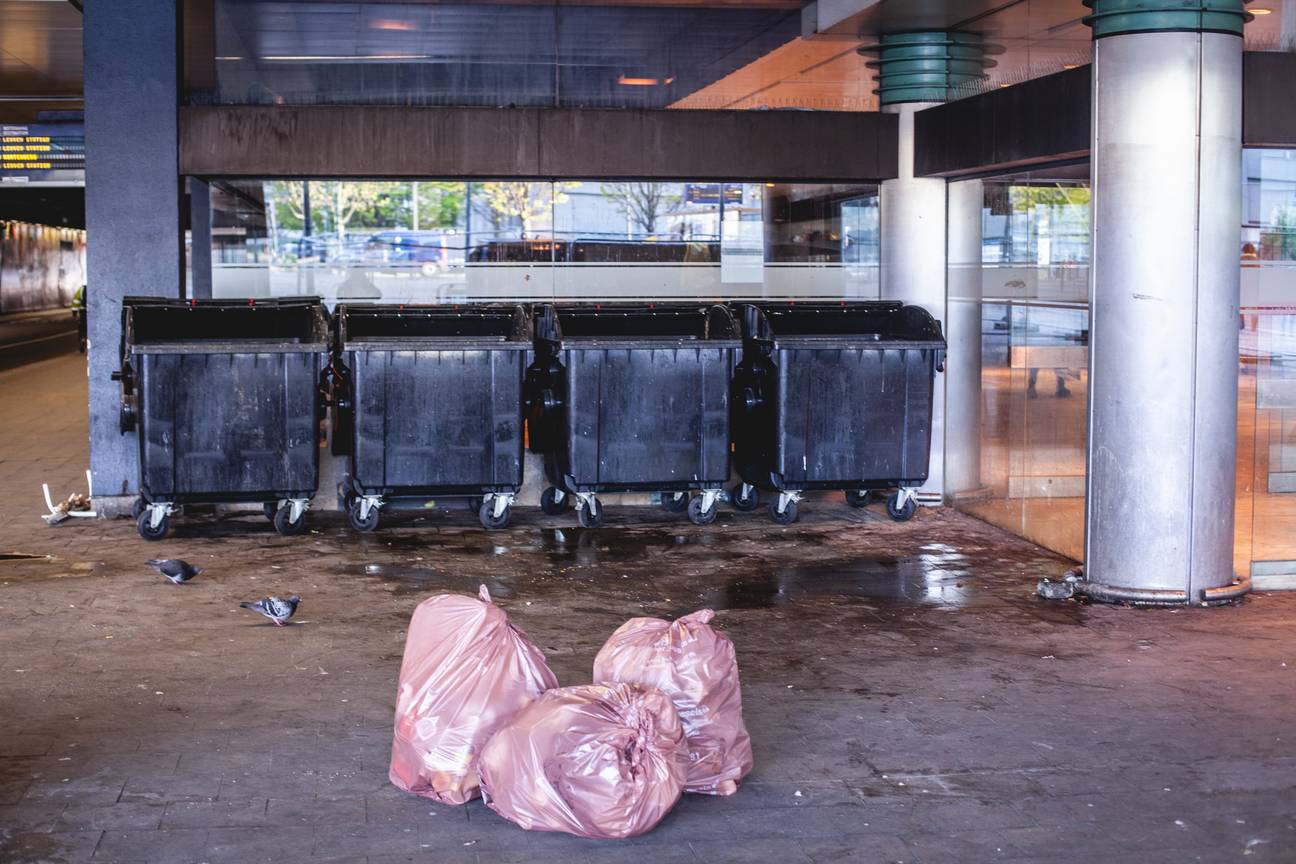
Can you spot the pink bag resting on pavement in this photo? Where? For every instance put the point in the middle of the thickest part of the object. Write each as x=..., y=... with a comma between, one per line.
x=695, y=666
x=603, y=760
x=465, y=672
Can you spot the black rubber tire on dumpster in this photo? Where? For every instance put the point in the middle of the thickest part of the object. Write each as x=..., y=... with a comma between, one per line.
x=269, y=508
x=138, y=506
x=283, y=522
x=901, y=514
x=366, y=525
x=745, y=505
x=588, y=519
x=549, y=503
x=148, y=530
x=698, y=516
x=787, y=517
x=491, y=522
x=858, y=497
x=675, y=502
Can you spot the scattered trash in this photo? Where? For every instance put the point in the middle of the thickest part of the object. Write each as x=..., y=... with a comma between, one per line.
x=466, y=671
x=75, y=504
x=696, y=667
x=605, y=761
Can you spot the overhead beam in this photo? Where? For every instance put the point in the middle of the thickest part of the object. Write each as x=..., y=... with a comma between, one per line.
x=535, y=143
x=1047, y=120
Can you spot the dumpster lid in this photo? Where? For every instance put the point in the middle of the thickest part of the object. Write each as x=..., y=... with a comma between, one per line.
x=634, y=324
x=494, y=325
x=847, y=323
x=159, y=325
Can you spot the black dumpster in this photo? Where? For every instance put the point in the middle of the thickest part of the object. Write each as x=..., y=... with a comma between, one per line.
x=224, y=398
x=834, y=396
x=632, y=398
x=430, y=405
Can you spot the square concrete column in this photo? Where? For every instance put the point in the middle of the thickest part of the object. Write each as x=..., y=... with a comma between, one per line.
x=133, y=191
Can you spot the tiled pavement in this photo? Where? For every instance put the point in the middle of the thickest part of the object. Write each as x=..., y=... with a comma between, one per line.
x=909, y=700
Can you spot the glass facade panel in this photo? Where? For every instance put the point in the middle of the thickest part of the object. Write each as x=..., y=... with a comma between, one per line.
x=439, y=241
x=1267, y=365
x=1033, y=292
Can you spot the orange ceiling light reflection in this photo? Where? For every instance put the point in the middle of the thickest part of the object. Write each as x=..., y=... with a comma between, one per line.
x=392, y=24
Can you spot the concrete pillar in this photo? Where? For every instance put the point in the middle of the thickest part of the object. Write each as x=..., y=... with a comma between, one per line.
x=200, y=239
x=1167, y=192
x=916, y=71
x=965, y=200
x=133, y=240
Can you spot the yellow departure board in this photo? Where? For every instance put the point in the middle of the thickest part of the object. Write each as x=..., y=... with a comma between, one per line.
x=42, y=151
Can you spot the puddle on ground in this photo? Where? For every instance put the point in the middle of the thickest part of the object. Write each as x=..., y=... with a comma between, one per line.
x=884, y=579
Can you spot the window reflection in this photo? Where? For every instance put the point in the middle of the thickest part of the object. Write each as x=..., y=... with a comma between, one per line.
x=433, y=241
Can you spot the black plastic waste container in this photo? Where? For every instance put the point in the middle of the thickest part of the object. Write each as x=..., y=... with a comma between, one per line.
x=834, y=396
x=430, y=404
x=632, y=398
x=224, y=398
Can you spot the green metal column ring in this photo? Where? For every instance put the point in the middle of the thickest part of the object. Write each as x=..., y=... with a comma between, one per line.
x=926, y=66
x=1114, y=17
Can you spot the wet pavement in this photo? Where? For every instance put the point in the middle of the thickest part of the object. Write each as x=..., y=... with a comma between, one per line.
x=908, y=697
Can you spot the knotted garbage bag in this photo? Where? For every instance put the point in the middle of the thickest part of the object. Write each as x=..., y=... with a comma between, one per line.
x=603, y=760
x=695, y=666
x=466, y=671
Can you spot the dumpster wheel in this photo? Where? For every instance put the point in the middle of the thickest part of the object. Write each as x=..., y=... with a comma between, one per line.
x=589, y=512
x=698, y=513
x=495, y=511
x=269, y=508
x=554, y=501
x=747, y=502
x=283, y=521
x=362, y=514
x=901, y=512
x=858, y=497
x=151, y=528
x=676, y=502
x=788, y=514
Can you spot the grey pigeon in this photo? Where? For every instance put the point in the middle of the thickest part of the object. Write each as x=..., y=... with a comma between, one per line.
x=276, y=609
x=174, y=569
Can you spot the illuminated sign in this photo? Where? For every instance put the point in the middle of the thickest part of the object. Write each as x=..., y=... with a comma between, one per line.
x=42, y=153
x=709, y=193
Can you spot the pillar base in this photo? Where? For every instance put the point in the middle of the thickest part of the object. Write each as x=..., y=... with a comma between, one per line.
x=1155, y=597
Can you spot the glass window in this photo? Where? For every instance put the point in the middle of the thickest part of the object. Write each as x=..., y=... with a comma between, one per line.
x=434, y=241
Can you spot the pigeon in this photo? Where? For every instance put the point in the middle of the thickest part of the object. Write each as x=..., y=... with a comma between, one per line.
x=174, y=569
x=276, y=609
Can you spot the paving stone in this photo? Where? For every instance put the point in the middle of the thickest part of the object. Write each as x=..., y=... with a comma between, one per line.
x=61, y=847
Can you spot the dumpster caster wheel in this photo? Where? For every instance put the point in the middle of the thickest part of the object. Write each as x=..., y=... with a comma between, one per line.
x=589, y=514
x=475, y=503
x=490, y=521
x=365, y=524
x=697, y=515
x=283, y=521
x=787, y=517
x=747, y=504
x=676, y=502
x=858, y=498
x=149, y=531
x=898, y=513
x=138, y=506
x=269, y=508
x=551, y=504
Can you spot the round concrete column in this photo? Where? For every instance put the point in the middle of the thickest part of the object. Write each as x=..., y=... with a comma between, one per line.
x=1167, y=188
x=916, y=71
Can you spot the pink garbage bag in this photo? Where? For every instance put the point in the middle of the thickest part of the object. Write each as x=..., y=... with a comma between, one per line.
x=466, y=671
x=604, y=760
x=695, y=666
